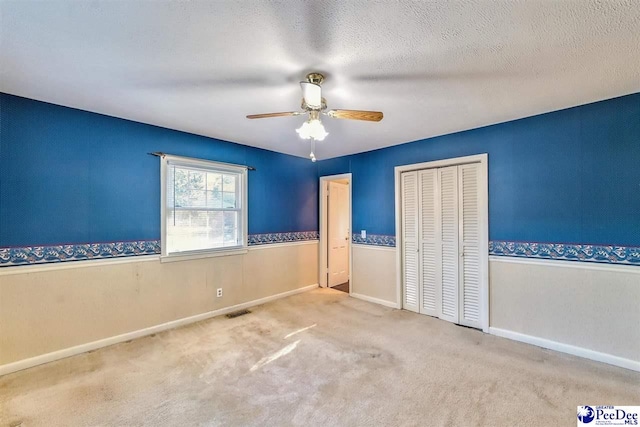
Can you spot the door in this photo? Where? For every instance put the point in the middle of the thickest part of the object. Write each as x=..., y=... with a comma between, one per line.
x=338, y=227
x=430, y=252
x=470, y=259
x=448, y=241
x=441, y=234
x=411, y=275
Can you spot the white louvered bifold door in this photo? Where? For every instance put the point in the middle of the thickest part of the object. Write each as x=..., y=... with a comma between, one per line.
x=429, y=231
x=449, y=305
x=411, y=264
x=468, y=176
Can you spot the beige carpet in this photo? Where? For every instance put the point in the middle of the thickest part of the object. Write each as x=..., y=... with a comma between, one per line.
x=356, y=364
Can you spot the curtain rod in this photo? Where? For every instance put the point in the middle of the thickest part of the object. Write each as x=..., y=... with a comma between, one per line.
x=161, y=154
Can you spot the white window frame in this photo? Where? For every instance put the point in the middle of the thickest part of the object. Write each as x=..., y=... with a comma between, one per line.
x=218, y=167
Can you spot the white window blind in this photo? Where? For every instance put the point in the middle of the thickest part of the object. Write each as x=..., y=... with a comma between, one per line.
x=203, y=206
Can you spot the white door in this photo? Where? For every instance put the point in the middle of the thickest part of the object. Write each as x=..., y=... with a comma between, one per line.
x=411, y=277
x=448, y=241
x=338, y=218
x=469, y=270
x=429, y=232
x=441, y=234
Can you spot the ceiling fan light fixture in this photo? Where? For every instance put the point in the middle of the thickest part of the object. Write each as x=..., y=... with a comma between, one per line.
x=312, y=129
x=314, y=105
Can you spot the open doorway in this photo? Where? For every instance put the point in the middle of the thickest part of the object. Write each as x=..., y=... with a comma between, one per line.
x=335, y=232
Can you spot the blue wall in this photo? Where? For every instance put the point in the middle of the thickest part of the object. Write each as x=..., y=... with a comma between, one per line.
x=571, y=176
x=70, y=176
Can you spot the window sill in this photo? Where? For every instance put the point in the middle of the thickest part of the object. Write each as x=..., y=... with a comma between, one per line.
x=212, y=254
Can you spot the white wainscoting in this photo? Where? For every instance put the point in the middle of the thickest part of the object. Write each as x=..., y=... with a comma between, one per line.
x=83, y=348
x=53, y=311
x=586, y=309
x=374, y=274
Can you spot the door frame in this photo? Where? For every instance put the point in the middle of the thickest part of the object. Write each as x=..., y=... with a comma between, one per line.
x=323, y=246
x=483, y=160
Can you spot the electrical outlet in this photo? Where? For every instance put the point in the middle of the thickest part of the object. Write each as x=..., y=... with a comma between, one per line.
x=363, y=234
x=219, y=292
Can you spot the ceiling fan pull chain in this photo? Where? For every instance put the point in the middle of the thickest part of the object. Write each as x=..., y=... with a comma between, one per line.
x=313, y=149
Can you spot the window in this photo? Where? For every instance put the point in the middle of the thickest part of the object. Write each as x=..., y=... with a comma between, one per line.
x=203, y=206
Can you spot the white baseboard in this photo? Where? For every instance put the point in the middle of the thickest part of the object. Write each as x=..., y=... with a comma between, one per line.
x=374, y=300
x=83, y=348
x=610, y=359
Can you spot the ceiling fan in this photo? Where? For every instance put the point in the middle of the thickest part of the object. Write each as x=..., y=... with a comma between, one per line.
x=313, y=104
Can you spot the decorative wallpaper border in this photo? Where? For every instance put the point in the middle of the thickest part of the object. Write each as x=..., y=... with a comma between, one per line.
x=374, y=239
x=628, y=255
x=269, y=238
x=608, y=254
x=29, y=255
x=58, y=253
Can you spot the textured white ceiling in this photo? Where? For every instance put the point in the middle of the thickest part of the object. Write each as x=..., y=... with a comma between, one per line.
x=431, y=67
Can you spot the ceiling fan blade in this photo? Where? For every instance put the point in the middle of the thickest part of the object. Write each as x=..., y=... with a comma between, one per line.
x=267, y=115
x=427, y=76
x=312, y=94
x=370, y=116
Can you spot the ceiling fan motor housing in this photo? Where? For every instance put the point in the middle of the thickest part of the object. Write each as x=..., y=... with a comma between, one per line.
x=315, y=78
x=314, y=104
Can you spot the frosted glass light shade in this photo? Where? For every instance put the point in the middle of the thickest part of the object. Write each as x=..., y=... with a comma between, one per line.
x=312, y=129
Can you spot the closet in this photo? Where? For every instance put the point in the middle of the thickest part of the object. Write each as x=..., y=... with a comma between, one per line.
x=442, y=234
